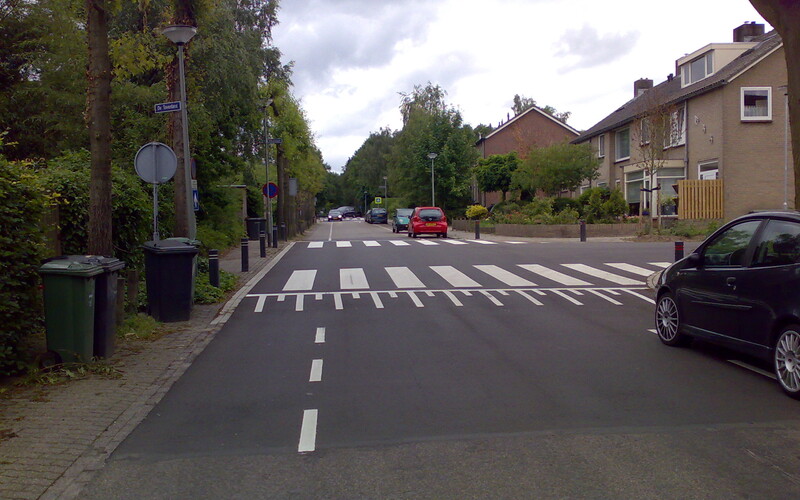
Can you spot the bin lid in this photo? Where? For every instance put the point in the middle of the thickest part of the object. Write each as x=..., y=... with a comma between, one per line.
x=67, y=267
x=109, y=264
x=188, y=241
x=170, y=246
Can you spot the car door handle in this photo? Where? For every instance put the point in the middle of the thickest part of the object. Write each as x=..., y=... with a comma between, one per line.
x=731, y=281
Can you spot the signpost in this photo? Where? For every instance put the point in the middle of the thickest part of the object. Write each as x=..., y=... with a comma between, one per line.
x=155, y=163
x=168, y=107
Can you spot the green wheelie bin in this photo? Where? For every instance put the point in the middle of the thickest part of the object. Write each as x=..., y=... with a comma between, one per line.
x=69, y=302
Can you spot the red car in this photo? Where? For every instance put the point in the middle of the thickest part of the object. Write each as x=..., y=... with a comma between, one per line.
x=427, y=220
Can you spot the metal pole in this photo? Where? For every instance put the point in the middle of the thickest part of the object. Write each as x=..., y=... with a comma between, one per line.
x=245, y=256
x=433, y=195
x=583, y=230
x=187, y=168
x=213, y=267
x=156, y=236
x=786, y=155
x=266, y=166
x=477, y=229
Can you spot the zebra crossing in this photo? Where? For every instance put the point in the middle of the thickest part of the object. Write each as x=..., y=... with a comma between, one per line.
x=404, y=243
x=573, y=283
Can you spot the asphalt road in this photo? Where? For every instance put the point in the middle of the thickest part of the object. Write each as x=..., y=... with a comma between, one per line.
x=366, y=364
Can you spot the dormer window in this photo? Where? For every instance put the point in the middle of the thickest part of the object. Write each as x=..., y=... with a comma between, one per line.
x=697, y=69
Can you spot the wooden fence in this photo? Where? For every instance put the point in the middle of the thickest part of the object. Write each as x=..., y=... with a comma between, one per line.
x=700, y=199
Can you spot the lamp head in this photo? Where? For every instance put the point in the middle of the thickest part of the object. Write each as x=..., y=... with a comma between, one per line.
x=432, y=155
x=179, y=33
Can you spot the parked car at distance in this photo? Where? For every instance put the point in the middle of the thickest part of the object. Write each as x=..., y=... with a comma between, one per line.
x=427, y=220
x=740, y=289
x=400, y=219
x=334, y=215
x=376, y=216
x=348, y=212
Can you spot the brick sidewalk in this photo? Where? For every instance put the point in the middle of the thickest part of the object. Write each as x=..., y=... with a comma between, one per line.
x=53, y=438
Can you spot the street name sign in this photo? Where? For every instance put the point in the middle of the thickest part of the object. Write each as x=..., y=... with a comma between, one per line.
x=168, y=107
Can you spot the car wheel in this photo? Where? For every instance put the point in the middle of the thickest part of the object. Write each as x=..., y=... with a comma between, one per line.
x=444, y=235
x=668, y=322
x=787, y=360
x=413, y=235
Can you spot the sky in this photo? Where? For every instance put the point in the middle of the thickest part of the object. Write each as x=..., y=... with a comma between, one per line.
x=352, y=58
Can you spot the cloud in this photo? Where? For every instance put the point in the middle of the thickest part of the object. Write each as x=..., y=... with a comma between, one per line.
x=585, y=48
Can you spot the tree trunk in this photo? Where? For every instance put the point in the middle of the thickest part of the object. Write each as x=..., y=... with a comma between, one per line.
x=98, y=116
x=784, y=16
x=281, y=163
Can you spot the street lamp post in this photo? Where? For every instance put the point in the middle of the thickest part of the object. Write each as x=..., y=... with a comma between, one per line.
x=432, y=156
x=180, y=35
x=268, y=208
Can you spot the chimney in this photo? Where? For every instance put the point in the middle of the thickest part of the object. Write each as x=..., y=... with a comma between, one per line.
x=747, y=32
x=640, y=85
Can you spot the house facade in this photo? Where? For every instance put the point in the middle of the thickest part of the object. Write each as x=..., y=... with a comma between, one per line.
x=531, y=128
x=725, y=116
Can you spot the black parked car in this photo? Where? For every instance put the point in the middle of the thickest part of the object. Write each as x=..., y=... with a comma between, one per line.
x=376, y=216
x=740, y=289
x=348, y=212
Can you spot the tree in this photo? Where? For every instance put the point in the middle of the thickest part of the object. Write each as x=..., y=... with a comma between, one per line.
x=522, y=104
x=784, y=16
x=495, y=172
x=98, y=117
x=556, y=168
x=658, y=126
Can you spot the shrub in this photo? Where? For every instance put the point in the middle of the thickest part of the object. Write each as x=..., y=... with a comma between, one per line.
x=538, y=206
x=560, y=204
x=22, y=205
x=476, y=212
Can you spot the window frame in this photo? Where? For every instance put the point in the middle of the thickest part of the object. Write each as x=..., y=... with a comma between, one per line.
x=768, y=117
x=601, y=146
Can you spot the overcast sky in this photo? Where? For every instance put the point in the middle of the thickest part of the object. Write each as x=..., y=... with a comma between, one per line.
x=353, y=57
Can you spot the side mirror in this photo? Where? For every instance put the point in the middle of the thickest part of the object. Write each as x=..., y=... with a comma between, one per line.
x=694, y=260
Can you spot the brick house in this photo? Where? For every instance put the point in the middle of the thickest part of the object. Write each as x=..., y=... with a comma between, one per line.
x=531, y=128
x=728, y=121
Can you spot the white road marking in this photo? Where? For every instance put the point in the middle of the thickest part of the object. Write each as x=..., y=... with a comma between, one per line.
x=492, y=298
x=429, y=293
x=753, y=368
x=352, y=279
x=564, y=295
x=308, y=432
x=393, y=295
x=371, y=243
x=426, y=242
x=399, y=243
x=376, y=299
x=515, y=242
x=316, y=371
x=535, y=301
x=554, y=275
x=260, y=303
x=356, y=295
x=455, y=277
x=453, y=298
x=466, y=293
x=281, y=297
x=455, y=242
x=503, y=292
x=320, y=336
x=576, y=292
x=661, y=264
x=652, y=330
x=330, y=233
x=646, y=299
x=337, y=300
x=343, y=244
x=506, y=277
x=404, y=278
x=483, y=242
x=615, y=302
x=599, y=273
x=298, y=306
x=415, y=299
x=300, y=280
x=315, y=244
x=630, y=268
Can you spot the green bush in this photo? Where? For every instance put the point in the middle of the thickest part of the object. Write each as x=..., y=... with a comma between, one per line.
x=561, y=204
x=22, y=205
x=204, y=293
x=476, y=212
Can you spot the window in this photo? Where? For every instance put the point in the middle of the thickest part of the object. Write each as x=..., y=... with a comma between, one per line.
x=698, y=69
x=644, y=131
x=756, y=104
x=634, y=182
x=622, y=144
x=729, y=248
x=779, y=245
x=708, y=170
x=601, y=146
x=677, y=128
x=667, y=179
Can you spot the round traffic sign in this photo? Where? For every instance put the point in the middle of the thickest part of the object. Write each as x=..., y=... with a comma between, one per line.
x=270, y=190
x=155, y=163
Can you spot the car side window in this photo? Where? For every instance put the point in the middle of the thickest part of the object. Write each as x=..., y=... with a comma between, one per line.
x=779, y=244
x=729, y=247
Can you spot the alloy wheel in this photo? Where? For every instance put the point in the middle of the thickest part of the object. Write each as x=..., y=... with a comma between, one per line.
x=667, y=320
x=787, y=361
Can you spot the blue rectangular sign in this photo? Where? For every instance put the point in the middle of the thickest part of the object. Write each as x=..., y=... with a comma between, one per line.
x=168, y=107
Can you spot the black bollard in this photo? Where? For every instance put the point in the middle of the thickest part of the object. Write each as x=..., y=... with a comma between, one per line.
x=213, y=267
x=274, y=237
x=283, y=231
x=477, y=229
x=583, y=230
x=678, y=250
x=262, y=241
x=245, y=256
